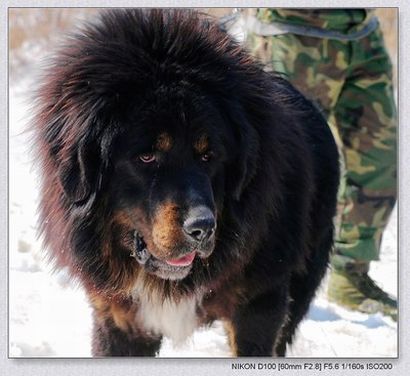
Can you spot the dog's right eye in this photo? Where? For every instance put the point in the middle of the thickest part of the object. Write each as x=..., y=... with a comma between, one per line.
x=147, y=157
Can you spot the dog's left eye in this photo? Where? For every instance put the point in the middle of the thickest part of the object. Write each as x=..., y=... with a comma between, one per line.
x=147, y=157
x=206, y=157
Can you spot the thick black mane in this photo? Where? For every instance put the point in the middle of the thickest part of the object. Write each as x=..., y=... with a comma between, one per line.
x=275, y=187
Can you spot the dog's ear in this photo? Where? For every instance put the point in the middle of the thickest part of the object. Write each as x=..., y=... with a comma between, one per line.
x=80, y=173
x=244, y=168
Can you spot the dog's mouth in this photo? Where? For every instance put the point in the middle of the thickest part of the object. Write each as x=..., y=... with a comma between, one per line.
x=172, y=268
x=185, y=260
x=140, y=251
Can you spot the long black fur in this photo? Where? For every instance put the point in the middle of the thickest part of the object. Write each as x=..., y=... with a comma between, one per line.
x=274, y=182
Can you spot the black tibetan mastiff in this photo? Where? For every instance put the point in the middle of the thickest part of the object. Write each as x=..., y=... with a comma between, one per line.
x=182, y=184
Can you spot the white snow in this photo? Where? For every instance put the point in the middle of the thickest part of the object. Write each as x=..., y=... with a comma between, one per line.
x=49, y=317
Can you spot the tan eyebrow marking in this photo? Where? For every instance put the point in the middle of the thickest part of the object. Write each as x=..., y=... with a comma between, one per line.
x=201, y=145
x=164, y=142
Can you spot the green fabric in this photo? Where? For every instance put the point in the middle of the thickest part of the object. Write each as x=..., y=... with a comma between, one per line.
x=352, y=82
x=344, y=20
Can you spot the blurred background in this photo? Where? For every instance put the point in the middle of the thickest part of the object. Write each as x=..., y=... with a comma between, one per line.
x=40, y=28
x=50, y=317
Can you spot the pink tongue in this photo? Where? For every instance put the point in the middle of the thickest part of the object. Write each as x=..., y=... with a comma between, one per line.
x=182, y=261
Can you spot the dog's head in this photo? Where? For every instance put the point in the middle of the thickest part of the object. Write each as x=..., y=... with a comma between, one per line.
x=163, y=180
x=146, y=122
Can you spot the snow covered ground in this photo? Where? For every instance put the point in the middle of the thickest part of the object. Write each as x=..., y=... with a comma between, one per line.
x=49, y=317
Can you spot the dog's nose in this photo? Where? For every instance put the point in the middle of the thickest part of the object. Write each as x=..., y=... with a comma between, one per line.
x=200, y=223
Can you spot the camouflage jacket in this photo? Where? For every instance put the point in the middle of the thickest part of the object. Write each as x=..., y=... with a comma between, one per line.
x=330, y=23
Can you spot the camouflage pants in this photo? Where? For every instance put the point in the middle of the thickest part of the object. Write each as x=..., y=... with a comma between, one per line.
x=352, y=82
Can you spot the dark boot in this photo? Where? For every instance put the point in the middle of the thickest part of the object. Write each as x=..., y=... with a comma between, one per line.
x=351, y=287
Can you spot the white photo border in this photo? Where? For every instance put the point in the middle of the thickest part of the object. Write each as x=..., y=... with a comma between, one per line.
x=199, y=367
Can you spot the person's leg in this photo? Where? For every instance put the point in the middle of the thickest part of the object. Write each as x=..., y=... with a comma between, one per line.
x=366, y=118
x=314, y=66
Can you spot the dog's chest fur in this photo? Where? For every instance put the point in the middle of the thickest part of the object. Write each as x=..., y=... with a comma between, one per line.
x=176, y=320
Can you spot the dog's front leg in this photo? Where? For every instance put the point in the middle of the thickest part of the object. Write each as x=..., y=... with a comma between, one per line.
x=116, y=331
x=256, y=326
